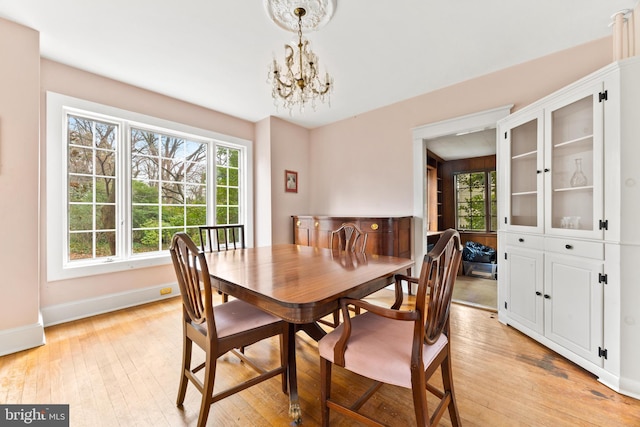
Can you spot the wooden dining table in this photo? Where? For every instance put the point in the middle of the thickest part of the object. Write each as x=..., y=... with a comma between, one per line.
x=300, y=284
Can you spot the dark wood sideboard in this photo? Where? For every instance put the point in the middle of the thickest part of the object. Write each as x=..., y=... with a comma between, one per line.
x=385, y=235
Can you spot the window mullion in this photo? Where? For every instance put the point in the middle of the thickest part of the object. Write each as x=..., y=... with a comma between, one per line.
x=211, y=182
x=487, y=202
x=125, y=187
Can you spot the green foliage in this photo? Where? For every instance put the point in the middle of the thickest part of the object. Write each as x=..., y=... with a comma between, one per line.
x=472, y=207
x=168, y=187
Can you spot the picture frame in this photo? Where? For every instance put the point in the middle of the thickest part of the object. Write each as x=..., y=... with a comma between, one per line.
x=290, y=181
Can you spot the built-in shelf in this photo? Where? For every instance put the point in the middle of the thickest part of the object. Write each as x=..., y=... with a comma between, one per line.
x=573, y=141
x=583, y=188
x=527, y=154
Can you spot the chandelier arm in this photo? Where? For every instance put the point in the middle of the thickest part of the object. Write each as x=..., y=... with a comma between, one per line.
x=327, y=87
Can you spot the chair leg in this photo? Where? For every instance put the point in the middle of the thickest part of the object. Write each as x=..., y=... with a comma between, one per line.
x=187, y=347
x=419, y=392
x=447, y=381
x=325, y=390
x=207, y=390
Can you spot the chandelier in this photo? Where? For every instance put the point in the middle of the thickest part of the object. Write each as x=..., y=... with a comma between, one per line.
x=299, y=82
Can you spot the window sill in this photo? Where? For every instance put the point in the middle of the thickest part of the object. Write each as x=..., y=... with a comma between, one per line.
x=93, y=269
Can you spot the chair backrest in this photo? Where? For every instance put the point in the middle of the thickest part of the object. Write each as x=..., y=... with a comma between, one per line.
x=435, y=288
x=349, y=238
x=191, y=270
x=216, y=238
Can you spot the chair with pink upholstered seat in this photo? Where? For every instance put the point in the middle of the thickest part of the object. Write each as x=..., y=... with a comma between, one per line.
x=218, y=330
x=416, y=342
x=350, y=239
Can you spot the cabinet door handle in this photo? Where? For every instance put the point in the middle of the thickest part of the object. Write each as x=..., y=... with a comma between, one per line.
x=521, y=240
x=547, y=296
x=538, y=171
x=547, y=169
x=538, y=293
x=568, y=247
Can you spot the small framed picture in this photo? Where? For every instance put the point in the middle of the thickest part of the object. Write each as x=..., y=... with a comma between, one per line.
x=290, y=181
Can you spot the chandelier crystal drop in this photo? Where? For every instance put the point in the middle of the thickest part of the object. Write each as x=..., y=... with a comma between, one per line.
x=298, y=82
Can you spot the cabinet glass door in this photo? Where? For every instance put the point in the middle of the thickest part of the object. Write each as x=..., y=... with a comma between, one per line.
x=524, y=177
x=574, y=134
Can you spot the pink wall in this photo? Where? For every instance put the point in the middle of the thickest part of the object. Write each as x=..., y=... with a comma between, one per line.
x=19, y=145
x=290, y=151
x=370, y=155
x=262, y=177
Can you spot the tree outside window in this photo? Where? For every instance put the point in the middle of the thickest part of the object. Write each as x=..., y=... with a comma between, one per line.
x=476, y=206
x=168, y=188
x=91, y=190
x=167, y=194
x=227, y=185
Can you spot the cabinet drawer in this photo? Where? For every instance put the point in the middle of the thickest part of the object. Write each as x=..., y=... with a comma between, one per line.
x=381, y=225
x=303, y=222
x=581, y=248
x=525, y=241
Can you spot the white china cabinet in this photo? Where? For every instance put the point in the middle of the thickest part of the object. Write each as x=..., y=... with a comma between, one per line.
x=569, y=197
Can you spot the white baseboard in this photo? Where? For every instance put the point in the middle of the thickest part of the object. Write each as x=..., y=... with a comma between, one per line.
x=67, y=312
x=630, y=387
x=22, y=338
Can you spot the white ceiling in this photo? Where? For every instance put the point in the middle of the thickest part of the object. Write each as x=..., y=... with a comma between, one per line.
x=464, y=146
x=216, y=53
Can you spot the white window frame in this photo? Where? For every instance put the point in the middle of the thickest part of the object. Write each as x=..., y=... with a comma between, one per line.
x=58, y=268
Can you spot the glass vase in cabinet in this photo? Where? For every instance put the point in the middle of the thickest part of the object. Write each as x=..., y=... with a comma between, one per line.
x=573, y=155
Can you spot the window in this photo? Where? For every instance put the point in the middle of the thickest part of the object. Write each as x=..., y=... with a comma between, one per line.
x=120, y=184
x=91, y=185
x=476, y=206
x=168, y=188
x=227, y=186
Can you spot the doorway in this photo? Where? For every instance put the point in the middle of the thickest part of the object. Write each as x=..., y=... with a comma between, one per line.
x=461, y=170
x=452, y=138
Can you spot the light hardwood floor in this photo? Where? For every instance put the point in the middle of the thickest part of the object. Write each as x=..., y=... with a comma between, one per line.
x=476, y=292
x=121, y=369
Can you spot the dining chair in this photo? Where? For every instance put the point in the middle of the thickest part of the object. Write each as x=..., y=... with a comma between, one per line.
x=216, y=238
x=416, y=341
x=350, y=239
x=218, y=330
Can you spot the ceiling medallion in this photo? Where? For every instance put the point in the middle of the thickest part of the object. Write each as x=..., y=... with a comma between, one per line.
x=318, y=13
